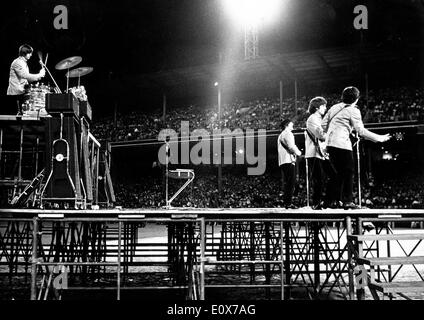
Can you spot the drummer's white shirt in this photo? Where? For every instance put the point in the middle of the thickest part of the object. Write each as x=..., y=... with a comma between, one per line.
x=19, y=77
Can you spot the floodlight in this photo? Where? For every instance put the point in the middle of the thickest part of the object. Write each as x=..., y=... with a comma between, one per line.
x=251, y=12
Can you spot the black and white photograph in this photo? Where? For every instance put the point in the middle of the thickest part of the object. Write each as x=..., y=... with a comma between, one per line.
x=209, y=157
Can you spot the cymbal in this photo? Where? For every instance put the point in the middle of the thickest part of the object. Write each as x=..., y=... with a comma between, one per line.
x=68, y=63
x=79, y=72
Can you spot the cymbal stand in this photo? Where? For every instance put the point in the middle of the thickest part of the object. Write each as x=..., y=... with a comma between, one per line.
x=67, y=81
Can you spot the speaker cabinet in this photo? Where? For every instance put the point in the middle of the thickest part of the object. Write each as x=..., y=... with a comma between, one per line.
x=65, y=103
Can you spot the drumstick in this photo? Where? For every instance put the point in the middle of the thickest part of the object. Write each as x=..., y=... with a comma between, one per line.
x=40, y=55
x=48, y=71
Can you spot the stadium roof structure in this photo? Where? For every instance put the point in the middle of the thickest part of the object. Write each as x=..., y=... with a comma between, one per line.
x=308, y=67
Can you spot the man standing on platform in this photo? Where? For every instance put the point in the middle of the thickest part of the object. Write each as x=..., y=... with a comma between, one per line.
x=19, y=77
x=314, y=148
x=339, y=122
x=287, y=152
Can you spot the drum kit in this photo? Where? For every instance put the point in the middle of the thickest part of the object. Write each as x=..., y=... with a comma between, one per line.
x=35, y=95
x=35, y=100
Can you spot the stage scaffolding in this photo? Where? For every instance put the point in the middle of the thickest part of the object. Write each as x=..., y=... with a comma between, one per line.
x=269, y=253
x=21, y=154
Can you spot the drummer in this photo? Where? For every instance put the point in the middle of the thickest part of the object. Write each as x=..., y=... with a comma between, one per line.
x=19, y=77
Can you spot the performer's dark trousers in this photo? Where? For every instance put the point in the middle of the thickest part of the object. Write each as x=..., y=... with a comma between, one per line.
x=318, y=169
x=340, y=186
x=288, y=174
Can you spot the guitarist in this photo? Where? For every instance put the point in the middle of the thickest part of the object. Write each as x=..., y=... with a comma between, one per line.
x=287, y=152
x=339, y=122
x=314, y=148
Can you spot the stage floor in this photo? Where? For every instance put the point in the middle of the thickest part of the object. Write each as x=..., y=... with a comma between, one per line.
x=216, y=213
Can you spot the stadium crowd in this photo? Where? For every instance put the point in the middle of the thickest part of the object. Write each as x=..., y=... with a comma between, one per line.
x=383, y=105
x=242, y=191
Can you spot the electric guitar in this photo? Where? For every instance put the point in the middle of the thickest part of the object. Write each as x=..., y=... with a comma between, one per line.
x=320, y=146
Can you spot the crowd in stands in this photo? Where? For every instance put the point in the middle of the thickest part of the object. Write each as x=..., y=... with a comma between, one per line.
x=399, y=193
x=237, y=191
x=242, y=191
x=384, y=105
x=395, y=105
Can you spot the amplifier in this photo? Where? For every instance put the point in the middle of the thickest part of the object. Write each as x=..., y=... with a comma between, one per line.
x=62, y=103
x=85, y=110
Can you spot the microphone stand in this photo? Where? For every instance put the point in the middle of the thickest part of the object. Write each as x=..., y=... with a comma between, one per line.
x=307, y=175
x=166, y=175
x=359, y=170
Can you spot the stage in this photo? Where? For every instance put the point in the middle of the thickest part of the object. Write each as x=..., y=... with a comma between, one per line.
x=217, y=213
x=197, y=250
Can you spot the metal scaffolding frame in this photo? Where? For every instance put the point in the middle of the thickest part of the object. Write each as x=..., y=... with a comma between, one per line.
x=275, y=254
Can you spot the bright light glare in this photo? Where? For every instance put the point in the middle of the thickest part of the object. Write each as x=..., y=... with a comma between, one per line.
x=251, y=12
x=387, y=156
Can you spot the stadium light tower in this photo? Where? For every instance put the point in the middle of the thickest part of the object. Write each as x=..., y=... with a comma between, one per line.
x=251, y=43
x=250, y=13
